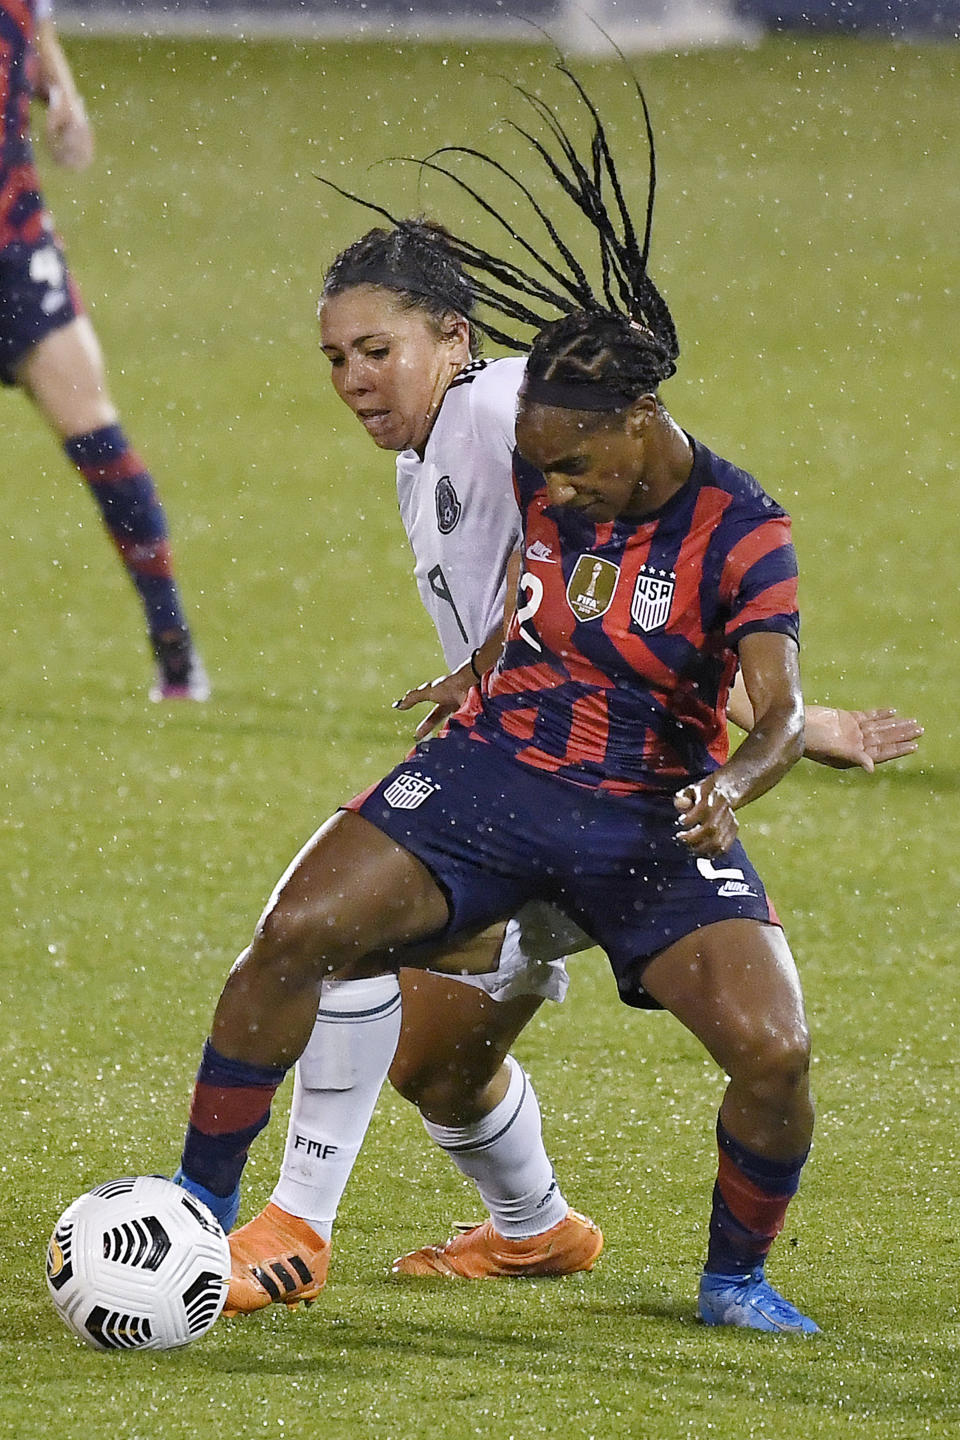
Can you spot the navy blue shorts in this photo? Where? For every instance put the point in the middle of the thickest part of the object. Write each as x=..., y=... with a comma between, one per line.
x=36, y=298
x=495, y=833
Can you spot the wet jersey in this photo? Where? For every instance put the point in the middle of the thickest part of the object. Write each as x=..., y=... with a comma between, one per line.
x=459, y=507
x=622, y=651
x=21, y=204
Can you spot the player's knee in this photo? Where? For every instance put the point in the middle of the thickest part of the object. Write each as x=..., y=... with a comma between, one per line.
x=306, y=943
x=448, y=1094
x=420, y=1080
x=778, y=1066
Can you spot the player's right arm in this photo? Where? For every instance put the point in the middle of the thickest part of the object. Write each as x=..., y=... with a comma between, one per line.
x=706, y=809
x=68, y=132
x=447, y=693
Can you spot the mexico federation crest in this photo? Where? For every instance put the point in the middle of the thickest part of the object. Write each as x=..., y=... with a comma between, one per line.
x=652, y=598
x=449, y=508
x=409, y=790
x=591, y=586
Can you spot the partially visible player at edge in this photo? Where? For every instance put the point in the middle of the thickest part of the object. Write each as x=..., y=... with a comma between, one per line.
x=395, y=326
x=607, y=705
x=48, y=346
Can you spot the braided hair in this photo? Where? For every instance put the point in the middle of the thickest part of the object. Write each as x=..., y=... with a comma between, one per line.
x=414, y=261
x=602, y=349
x=595, y=361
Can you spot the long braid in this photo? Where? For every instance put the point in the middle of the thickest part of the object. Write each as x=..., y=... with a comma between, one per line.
x=624, y=337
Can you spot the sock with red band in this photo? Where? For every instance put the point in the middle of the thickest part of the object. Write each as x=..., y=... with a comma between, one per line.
x=750, y=1202
x=231, y=1105
x=131, y=510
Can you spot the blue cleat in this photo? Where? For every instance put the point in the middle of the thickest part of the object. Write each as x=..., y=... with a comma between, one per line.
x=224, y=1207
x=748, y=1300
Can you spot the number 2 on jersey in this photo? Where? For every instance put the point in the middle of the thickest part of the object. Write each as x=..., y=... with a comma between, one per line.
x=534, y=592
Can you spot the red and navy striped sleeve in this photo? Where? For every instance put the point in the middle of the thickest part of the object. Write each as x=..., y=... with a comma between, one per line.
x=758, y=584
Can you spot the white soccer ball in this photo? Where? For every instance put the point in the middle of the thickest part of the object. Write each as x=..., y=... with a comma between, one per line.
x=138, y=1264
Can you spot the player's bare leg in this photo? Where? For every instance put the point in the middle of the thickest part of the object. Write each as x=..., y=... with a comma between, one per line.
x=450, y=1059
x=735, y=986
x=348, y=897
x=64, y=376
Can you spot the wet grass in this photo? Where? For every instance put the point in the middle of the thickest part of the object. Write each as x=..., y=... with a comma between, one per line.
x=805, y=237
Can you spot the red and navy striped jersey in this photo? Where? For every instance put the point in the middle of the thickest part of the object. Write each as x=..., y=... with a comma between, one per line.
x=621, y=654
x=21, y=204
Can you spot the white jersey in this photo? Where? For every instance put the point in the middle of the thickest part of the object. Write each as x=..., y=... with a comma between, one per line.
x=459, y=509
x=460, y=512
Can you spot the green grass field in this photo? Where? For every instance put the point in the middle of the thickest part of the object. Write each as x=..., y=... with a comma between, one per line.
x=806, y=239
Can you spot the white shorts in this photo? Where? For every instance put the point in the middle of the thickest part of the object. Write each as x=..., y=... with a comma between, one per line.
x=532, y=957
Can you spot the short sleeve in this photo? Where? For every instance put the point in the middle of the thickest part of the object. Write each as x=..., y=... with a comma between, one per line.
x=493, y=402
x=759, y=580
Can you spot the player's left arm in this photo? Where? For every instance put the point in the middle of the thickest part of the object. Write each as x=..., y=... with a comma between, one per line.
x=706, y=809
x=447, y=693
x=842, y=739
x=68, y=131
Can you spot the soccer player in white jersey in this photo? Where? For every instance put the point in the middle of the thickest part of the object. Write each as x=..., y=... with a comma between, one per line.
x=395, y=327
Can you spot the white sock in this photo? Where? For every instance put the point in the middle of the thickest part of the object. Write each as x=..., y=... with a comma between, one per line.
x=504, y=1155
x=336, y=1083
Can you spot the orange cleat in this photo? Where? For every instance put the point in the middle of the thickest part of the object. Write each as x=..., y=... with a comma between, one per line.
x=479, y=1253
x=276, y=1259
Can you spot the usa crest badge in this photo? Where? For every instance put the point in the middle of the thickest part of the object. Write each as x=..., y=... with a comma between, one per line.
x=408, y=790
x=591, y=587
x=652, y=598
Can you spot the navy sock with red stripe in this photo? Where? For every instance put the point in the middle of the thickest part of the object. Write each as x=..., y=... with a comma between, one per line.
x=750, y=1202
x=127, y=498
x=231, y=1105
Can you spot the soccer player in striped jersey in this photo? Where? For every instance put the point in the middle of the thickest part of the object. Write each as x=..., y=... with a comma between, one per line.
x=653, y=570
x=48, y=346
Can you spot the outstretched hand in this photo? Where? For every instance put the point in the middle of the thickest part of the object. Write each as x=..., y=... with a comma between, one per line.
x=446, y=694
x=844, y=739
